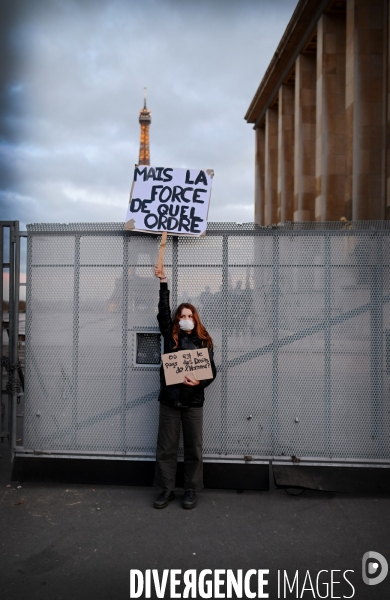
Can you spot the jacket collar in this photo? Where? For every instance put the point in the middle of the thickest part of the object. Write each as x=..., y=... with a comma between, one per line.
x=185, y=334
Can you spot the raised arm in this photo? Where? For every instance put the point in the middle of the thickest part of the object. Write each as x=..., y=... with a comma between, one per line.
x=164, y=316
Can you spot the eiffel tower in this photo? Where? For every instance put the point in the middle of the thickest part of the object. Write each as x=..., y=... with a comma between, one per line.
x=144, y=120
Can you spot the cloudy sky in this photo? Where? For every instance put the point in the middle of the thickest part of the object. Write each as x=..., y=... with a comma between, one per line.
x=72, y=87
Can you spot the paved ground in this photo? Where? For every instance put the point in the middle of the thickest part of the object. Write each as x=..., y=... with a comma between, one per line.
x=71, y=542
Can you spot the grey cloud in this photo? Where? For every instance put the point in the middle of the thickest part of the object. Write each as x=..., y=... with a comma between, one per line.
x=77, y=75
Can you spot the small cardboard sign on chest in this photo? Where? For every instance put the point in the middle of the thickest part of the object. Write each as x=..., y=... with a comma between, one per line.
x=194, y=363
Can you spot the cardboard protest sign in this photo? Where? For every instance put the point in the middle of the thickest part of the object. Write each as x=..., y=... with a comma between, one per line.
x=175, y=201
x=195, y=363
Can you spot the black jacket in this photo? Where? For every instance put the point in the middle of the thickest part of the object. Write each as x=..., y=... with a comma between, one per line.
x=179, y=395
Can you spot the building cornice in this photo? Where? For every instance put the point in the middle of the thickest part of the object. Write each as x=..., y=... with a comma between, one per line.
x=301, y=26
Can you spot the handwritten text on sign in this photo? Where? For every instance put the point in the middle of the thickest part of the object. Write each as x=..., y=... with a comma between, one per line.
x=172, y=200
x=194, y=363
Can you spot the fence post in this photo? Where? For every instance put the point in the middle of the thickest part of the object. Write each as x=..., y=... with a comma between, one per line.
x=76, y=326
x=224, y=357
x=125, y=287
x=275, y=346
x=1, y=341
x=175, y=269
x=376, y=284
x=327, y=344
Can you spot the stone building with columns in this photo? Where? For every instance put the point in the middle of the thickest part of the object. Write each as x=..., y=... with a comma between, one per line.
x=321, y=116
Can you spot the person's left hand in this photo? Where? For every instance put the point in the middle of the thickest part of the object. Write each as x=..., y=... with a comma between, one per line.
x=190, y=382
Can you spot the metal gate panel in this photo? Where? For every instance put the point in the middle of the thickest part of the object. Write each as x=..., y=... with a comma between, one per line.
x=300, y=317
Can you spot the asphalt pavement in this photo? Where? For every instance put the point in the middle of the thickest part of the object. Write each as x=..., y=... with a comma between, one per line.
x=71, y=542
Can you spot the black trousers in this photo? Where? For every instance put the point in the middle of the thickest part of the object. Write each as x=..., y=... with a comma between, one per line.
x=168, y=442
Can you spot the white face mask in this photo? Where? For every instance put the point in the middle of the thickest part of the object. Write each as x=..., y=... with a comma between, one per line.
x=186, y=324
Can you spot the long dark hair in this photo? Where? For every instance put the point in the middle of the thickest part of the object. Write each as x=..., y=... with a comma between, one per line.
x=199, y=328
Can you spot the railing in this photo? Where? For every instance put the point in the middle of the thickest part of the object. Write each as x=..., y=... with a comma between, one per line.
x=300, y=319
x=11, y=372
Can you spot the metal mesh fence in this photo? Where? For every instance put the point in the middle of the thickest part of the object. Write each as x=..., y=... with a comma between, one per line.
x=299, y=314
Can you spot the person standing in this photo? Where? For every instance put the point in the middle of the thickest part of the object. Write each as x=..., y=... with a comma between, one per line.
x=180, y=403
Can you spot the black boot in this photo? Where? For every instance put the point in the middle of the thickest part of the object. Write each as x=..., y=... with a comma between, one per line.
x=164, y=498
x=189, y=500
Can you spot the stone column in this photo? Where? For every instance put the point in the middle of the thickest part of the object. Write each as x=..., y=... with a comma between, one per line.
x=365, y=109
x=305, y=137
x=286, y=154
x=330, y=127
x=259, y=175
x=271, y=166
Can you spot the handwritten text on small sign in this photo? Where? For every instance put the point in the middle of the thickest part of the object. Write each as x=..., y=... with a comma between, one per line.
x=194, y=363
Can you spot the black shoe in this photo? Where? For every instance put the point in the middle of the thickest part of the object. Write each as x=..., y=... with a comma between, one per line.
x=189, y=500
x=164, y=498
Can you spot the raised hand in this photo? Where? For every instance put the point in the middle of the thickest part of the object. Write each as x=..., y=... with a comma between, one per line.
x=160, y=273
